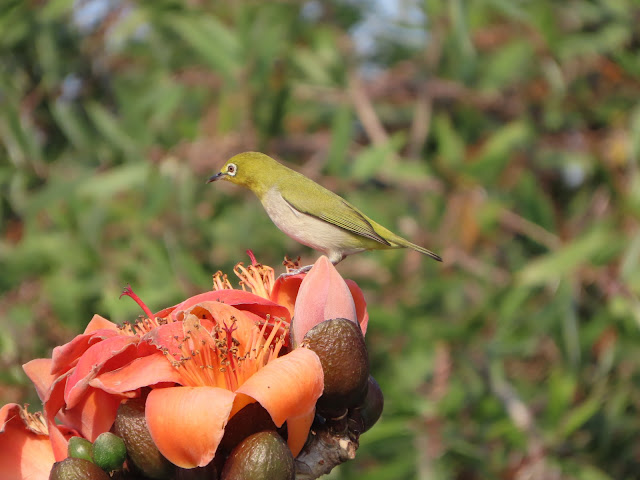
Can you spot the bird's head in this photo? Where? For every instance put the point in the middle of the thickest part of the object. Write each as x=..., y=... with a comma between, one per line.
x=249, y=169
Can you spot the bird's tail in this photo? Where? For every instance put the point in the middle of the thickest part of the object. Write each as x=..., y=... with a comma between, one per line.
x=396, y=241
x=406, y=243
x=423, y=250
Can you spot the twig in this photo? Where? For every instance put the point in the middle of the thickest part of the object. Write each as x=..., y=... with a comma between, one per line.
x=519, y=224
x=329, y=445
x=494, y=274
x=421, y=123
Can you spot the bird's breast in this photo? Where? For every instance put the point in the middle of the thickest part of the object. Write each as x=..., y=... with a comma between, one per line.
x=307, y=229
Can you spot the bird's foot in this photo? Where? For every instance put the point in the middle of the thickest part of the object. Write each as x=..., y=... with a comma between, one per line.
x=295, y=271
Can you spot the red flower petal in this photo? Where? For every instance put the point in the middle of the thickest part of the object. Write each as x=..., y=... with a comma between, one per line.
x=39, y=372
x=187, y=423
x=109, y=354
x=361, y=305
x=94, y=413
x=285, y=291
x=66, y=356
x=141, y=372
x=240, y=299
x=253, y=303
x=53, y=402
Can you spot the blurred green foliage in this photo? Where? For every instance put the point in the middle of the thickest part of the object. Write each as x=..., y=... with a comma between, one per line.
x=503, y=135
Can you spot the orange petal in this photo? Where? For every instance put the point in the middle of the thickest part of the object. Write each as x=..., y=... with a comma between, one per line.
x=53, y=402
x=298, y=431
x=109, y=354
x=23, y=453
x=59, y=440
x=141, y=372
x=323, y=295
x=94, y=413
x=250, y=302
x=288, y=386
x=285, y=290
x=100, y=323
x=66, y=356
x=240, y=299
x=187, y=423
x=240, y=402
x=38, y=371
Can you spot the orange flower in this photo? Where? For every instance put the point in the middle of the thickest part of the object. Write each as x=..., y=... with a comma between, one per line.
x=221, y=360
x=25, y=450
x=203, y=359
x=63, y=382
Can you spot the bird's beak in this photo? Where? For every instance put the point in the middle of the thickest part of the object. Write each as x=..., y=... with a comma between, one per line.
x=215, y=177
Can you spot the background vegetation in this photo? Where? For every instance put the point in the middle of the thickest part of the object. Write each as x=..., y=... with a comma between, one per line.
x=503, y=135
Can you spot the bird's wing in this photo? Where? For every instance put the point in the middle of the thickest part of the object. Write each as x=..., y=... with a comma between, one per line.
x=336, y=211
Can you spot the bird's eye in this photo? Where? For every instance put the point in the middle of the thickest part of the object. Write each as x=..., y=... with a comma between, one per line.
x=232, y=169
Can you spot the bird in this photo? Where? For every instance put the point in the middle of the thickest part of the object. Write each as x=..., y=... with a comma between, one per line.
x=309, y=213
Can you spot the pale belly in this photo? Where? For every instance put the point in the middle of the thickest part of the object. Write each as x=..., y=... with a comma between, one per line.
x=334, y=241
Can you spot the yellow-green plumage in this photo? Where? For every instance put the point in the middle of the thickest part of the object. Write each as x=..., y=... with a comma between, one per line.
x=308, y=212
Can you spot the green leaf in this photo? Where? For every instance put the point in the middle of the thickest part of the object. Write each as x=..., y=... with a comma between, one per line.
x=498, y=151
x=372, y=159
x=55, y=9
x=341, y=128
x=108, y=184
x=109, y=125
x=74, y=127
x=579, y=415
x=584, y=250
x=212, y=40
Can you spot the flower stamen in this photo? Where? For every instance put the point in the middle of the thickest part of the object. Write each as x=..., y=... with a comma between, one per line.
x=221, y=282
x=34, y=422
x=213, y=358
x=259, y=278
x=142, y=325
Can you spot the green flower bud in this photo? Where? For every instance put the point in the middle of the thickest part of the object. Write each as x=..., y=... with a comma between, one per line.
x=80, y=448
x=109, y=452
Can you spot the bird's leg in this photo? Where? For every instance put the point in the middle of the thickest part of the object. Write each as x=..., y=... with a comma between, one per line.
x=296, y=271
x=334, y=258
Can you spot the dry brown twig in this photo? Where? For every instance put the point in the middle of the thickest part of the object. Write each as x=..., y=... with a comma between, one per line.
x=329, y=445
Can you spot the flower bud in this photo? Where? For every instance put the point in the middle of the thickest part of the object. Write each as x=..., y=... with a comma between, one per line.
x=262, y=456
x=131, y=426
x=109, y=452
x=80, y=448
x=77, y=469
x=340, y=345
x=372, y=406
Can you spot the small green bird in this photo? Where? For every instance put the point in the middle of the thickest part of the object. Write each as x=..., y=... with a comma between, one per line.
x=308, y=212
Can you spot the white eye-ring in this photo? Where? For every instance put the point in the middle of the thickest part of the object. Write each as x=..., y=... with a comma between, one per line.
x=232, y=169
